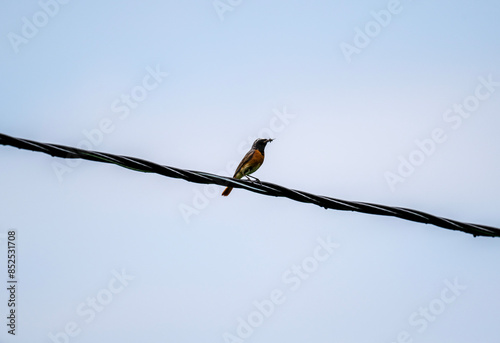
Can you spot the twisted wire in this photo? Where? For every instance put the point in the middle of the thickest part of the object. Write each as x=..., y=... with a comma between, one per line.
x=264, y=188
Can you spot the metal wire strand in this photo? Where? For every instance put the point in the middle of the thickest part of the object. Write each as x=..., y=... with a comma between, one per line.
x=264, y=188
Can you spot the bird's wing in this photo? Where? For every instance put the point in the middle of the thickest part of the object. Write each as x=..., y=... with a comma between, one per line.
x=244, y=161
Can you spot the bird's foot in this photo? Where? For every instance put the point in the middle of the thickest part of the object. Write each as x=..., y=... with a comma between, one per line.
x=254, y=179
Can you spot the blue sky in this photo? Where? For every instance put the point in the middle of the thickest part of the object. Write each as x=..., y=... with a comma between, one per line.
x=108, y=254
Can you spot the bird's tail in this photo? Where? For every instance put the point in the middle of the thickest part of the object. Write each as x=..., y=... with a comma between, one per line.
x=227, y=191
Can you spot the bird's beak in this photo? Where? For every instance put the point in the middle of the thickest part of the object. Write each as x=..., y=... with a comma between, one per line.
x=270, y=140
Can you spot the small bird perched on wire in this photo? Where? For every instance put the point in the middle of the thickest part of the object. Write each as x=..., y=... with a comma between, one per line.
x=250, y=163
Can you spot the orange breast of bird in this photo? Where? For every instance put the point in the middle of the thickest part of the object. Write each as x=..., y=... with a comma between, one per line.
x=249, y=164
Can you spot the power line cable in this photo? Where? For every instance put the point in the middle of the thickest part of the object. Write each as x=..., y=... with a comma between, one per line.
x=264, y=188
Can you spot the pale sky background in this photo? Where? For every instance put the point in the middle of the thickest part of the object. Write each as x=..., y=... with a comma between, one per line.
x=196, y=277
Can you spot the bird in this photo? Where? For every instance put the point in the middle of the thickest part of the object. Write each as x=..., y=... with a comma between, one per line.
x=250, y=163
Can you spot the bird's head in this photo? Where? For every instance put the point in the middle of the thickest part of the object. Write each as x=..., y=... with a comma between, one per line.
x=261, y=143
